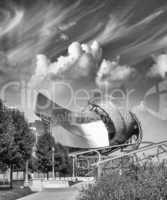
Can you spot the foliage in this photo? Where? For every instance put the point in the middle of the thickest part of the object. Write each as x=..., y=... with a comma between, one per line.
x=147, y=182
x=8, y=149
x=33, y=164
x=23, y=137
x=44, y=155
x=3, y=167
x=62, y=162
x=16, y=139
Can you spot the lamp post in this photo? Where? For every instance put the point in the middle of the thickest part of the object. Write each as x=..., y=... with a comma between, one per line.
x=26, y=174
x=34, y=130
x=53, y=162
x=73, y=166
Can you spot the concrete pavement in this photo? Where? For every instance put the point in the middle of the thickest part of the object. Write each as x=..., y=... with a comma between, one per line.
x=54, y=194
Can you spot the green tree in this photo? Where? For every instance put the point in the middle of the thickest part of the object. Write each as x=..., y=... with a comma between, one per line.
x=8, y=149
x=16, y=139
x=63, y=164
x=44, y=155
x=3, y=167
x=24, y=138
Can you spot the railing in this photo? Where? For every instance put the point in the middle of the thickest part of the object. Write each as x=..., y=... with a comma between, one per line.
x=151, y=146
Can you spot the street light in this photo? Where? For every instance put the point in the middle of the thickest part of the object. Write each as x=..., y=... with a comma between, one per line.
x=73, y=166
x=53, y=162
x=34, y=130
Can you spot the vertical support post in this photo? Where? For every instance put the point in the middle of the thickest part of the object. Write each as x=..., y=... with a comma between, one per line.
x=158, y=153
x=36, y=137
x=26, y=174
x=99, y=168
x=73, y=166
x=53, y=162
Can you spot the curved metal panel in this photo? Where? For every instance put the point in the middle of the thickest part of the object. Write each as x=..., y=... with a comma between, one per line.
x=101, y=124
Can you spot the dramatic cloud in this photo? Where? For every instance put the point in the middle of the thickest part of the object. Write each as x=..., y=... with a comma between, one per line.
x=159, y=69
x=132, y=29
x=81, y=61
x=112, y=74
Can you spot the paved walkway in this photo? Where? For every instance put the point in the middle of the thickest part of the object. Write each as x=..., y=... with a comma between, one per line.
x=54, y=194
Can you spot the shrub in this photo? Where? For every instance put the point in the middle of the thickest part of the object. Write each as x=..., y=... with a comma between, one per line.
x=138, y=183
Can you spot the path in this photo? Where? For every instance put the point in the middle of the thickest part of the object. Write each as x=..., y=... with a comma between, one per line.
x=54, y=194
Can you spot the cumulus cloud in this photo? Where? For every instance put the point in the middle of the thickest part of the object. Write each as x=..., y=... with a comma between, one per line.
x=159, y=69
x=41, y=65
x=81, y=61
x=113, y=74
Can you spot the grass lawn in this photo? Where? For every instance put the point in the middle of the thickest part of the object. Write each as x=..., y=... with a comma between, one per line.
x=15, y=193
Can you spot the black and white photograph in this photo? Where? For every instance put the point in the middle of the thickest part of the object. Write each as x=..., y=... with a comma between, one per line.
x=83, y=99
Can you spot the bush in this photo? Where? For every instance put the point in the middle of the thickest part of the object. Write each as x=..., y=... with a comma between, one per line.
x=138, y=183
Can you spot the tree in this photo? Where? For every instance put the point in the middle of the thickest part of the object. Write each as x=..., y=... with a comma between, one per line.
x=7, y=146
x=23, y=137
x=63, y=164
x=16, y=139
x=44, y=155
x=3, y=167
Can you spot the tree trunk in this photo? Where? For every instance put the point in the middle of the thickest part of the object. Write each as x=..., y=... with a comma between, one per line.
x=11, y=176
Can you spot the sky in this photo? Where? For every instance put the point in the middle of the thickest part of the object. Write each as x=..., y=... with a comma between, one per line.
x=89, y=44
